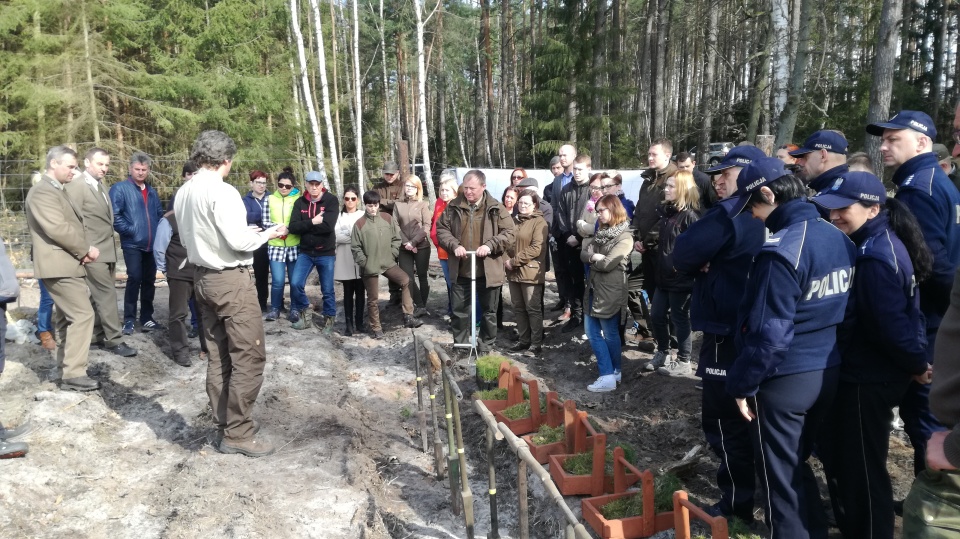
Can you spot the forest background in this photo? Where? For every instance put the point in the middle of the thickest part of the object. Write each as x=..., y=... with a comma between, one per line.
x=338, y=85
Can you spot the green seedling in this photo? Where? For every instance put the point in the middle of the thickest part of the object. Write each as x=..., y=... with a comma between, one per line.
x=517, y=411
x=405, y=413
x=488, y=367
x=548, y=435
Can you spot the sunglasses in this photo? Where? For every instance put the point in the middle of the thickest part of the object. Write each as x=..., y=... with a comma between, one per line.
x=349, y=198
x=285, y=185
x=516, y=177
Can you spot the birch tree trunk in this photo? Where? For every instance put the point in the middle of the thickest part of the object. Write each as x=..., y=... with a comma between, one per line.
x=788, y=118
x=358, y=124
x=707, y=90
x=388, y=124
x=883, y=72
x=780, y=52
x=305, y=84
x=325, y=92
x=418, y=7
x=296, y=105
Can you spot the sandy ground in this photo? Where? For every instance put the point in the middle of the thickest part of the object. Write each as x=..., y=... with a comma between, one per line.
x=132, y=461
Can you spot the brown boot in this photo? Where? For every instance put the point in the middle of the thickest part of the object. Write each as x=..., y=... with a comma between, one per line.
x=46, y=341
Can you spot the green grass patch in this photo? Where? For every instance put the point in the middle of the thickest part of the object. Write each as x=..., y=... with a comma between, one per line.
x=582, y=463
x=496, y=394
x=488, y=366
x=517, y=411
x=547, y=435
x=740, y=530
x=632, y=506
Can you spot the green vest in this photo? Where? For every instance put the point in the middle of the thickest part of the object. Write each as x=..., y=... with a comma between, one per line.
x=280, y=209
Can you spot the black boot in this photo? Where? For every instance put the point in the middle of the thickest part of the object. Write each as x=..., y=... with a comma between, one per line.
x=348, y=332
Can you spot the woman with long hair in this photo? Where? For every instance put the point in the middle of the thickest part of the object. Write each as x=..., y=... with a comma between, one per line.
x=606, y=289
x=413, y=215
x=446, y=193
x=883, y=346
x=345, y=269
x=516, y=176
x=681, y=201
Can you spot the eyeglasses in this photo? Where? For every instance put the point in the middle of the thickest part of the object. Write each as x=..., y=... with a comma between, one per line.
x=285, y=185
x=410, y=186
x=608, y=185
x=516, y=177
x=601, y=210
x=350, y=198
x=596, y=188
x=258, y=182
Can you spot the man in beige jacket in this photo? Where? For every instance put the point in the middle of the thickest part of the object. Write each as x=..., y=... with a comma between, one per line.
x=60, y=251
x=89, y=196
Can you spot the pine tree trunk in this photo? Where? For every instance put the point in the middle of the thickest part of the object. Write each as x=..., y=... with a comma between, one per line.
x=788, y=118
x=884, y=67
x=707, y=89
x=94, y=117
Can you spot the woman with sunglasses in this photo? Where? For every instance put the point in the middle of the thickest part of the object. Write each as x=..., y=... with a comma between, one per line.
x=517, y=176
x=413, y=215
x=284, y=250
x=345, y=268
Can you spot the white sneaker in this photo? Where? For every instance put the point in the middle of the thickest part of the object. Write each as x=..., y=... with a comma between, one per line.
x=618, y=375
x=676, y=368
x=659, y=360
x=604, y=384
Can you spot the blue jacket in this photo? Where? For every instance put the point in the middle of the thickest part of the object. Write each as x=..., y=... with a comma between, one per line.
x=925, y=188
x=255, y=208
x=134, y=220
x=795, y=298
x=627, y=205
x=883, y=337
x=825, y=180
x=729, y=246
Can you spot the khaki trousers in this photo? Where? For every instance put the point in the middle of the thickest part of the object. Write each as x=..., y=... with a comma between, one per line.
x=101, y=279
x=527, y=299
x=230, y=313
x=397, y=277
x=73, y=319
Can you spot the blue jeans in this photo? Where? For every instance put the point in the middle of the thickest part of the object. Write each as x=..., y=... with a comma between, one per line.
x=45, y=312
x=141, y=281
x=678, y=303
x=604, y=336
x=445, y=266
x=279, y=273
x=306, y=263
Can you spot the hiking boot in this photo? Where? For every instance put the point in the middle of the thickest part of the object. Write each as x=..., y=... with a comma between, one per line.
x=193, y=333
x=294, y=316
x=676, y=368
x=534, y=351
x=251, y=447
x=603, y=384
x=411, y=321
x=12, y=450
x=421, y=312
x=183, y=359
x=127, y=327
x=47, y=341
x=80, y=383
x=378, y=334
x=216, y=436
x=659, y=360
x=272, y=315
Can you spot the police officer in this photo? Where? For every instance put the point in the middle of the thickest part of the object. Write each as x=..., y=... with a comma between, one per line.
x=883, y=346
x=787, y=365
x=718, y=250
x=907, y=143
x=822, y=158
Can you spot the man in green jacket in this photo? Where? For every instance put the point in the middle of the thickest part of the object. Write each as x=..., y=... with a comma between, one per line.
x=375, y=242
x=476, y=222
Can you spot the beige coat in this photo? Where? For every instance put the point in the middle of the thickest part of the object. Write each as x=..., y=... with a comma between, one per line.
x=97, y=217
x=414, y=219
x=56, y=228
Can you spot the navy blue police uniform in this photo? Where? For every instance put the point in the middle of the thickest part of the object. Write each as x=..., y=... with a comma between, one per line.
x=787, y=363
x=883, y=344
x=926, y=190
x=728, y=246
